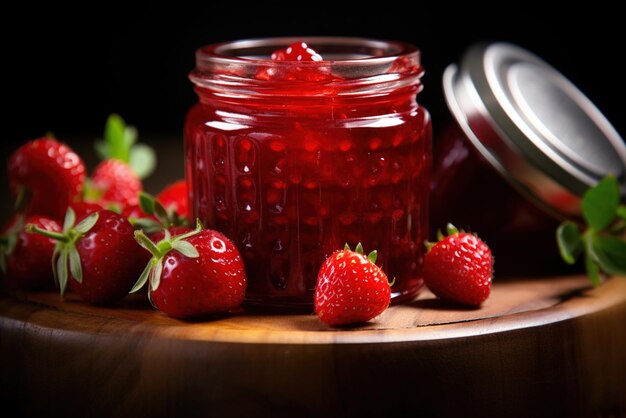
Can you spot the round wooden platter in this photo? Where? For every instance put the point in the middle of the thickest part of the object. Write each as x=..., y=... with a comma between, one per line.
x=538, y=347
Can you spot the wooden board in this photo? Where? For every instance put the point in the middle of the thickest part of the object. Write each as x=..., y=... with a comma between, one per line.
x=538, y=347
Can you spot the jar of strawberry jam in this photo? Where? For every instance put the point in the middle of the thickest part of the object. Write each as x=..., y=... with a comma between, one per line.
x=523, y=146
x=295, y=149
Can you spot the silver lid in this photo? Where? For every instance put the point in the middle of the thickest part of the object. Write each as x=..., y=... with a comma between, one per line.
x=533, y=125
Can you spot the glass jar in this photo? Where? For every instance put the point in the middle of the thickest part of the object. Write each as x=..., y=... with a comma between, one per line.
x=291, y=160
x=523, y=146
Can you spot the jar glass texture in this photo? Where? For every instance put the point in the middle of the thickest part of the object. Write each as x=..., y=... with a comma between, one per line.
x=293, y=160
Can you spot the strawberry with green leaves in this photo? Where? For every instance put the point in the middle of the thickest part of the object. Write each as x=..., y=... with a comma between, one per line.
x=120, y=143
x=116, y=181
x=601, y=242
x=459, y=267
x=97, y=258
x=351, y=288
x=194, y=274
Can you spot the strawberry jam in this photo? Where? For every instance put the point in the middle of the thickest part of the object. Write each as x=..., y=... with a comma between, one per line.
x=293, y=157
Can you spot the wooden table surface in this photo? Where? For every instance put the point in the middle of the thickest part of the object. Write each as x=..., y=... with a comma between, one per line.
x=538, y=347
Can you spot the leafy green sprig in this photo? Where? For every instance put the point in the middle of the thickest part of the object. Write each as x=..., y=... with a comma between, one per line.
x=601, y=241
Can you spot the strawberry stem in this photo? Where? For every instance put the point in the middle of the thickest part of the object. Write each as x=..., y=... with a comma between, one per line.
x=147, y=243
x=50, y=234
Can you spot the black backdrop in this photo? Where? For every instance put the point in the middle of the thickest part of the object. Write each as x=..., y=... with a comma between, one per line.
x=65, y=69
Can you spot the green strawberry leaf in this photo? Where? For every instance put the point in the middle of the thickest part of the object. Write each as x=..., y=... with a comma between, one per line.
x=610, y=253
x=359, y=249
x=70, y=219
x=451, y=229
x=570, y=242
x=161, y=214
x=146, y=203
x=114, y=136
x=146, y=224
x=130, y=136
x=55, y=258
x=86, y=224
x=600, y=203
x=621, y=212
x=61, y=270
x=142, y=160
x=143, y=278
x=102, y=149
x=372, y=256
x=185, y=248
x=346, y=247
x=155, y=278
x=147, y=243
x=75, y=266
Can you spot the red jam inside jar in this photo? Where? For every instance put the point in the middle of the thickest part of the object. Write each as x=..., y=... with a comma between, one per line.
x=468, y=192
x=293, y=159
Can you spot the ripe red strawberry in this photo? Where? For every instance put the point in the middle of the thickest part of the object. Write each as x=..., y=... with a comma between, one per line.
x=98, y=257
x=194, y=274
x=114, y=182
x=158, y=236
x=459, y=268
x=174, y=198
x=48, y=175
x=298, y=51
x=25, y=256
x=351, y=288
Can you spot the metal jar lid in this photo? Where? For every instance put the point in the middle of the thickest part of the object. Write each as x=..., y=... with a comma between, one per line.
x=533, y=125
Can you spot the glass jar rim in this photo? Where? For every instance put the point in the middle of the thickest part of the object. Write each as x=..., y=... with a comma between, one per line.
x=257, y=51
x=352, y=66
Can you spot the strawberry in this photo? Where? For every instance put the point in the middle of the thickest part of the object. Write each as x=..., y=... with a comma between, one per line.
x=290, y=67
x=25, y=257
x=194, y=274
x=114, y=182
x=351, y=288
x=45, y=176
x=459, y=268
x=297, y=51
x=120, y=143
x=98, y=257
x=174, y=198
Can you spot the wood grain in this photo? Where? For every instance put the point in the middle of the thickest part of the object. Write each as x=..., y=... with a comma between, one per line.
x=538, y=347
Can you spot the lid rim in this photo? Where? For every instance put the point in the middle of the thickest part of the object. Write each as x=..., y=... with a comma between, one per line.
x=489, y=85
x=452, y=81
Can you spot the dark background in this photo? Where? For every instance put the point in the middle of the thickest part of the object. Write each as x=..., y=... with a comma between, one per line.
x=66, y=69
